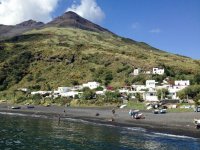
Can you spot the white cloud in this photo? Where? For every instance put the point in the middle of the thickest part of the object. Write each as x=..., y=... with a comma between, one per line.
x=135, y=26
x=88, y=9
x=157, y=30
x=16, y=11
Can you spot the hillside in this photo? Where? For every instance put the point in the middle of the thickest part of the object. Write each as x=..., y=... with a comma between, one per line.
x=49, y=57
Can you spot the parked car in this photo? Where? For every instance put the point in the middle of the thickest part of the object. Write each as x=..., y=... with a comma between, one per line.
x=197, y=109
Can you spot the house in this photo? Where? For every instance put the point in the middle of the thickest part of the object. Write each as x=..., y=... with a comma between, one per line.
x=139, y=87
x=150, y=96
x=150, y=83
x=178, y=85
x=136, y=71
x=148, y=72
x=182, y=83
x=159, y=71
x=63, y=89
x=91, y=85
x=41, y=93
x=71, y=94
x=101, y=92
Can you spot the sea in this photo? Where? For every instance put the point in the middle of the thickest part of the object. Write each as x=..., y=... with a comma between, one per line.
x=37, y=132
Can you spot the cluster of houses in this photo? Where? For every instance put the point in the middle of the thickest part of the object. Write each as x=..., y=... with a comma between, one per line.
x=71, y=92
x=147, y=92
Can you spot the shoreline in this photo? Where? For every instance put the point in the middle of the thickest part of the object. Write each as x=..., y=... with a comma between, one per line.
x=170, y=123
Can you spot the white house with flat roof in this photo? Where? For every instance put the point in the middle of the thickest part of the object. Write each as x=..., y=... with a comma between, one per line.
x=182, y=83
x=150, y=95
x=91, y=85
x=138, y=87
x=63, y=89
x=150, y=83
x=136, y=71
x=159, y=71
x=178, y=85
x=72, y=94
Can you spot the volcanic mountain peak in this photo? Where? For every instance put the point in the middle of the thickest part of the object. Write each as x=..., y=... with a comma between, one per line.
x=30, y=23
x=71, y=19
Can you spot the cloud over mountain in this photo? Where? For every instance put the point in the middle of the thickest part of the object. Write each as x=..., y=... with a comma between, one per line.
x=15, y=11
x=88, y=9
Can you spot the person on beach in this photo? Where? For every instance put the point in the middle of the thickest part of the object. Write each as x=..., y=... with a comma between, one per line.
x=58, y=119
x=113, y=111
x=130, y=112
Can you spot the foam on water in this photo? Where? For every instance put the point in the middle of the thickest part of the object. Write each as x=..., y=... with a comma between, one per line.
x=23, y=115
x=174, y=136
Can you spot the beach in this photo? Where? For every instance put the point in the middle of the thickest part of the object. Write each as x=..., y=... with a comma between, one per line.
x=169, y=123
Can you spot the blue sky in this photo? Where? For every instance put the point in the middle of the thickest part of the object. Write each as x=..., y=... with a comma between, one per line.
x=170, y=25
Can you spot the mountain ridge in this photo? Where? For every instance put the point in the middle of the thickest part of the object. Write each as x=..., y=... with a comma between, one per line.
x=68, y=19
x=71, y=19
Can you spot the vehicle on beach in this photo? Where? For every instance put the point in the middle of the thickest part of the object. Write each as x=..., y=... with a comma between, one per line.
x=123, y=106
x=197, y=123
x=30, y=106
x=47, y=105
x=15, y=107
x=160, y=111
x=136, y=114
x=197, y=109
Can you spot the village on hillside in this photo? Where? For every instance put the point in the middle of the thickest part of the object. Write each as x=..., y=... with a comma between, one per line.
x=150, y=92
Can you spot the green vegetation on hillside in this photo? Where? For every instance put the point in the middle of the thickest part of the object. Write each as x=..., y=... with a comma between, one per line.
x=51, y=57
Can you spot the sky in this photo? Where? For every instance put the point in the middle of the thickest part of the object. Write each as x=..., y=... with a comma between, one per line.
x=169, y=25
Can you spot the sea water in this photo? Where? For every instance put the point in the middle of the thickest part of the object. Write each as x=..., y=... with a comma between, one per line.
x=22, y=132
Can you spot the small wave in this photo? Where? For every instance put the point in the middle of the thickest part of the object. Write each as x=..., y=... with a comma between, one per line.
x=13, y=114
x=88, y=122
x=23, y=115
x=174, y=136
x=135, y=129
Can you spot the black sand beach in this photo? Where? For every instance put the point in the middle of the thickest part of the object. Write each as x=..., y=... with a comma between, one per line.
x=169, y=123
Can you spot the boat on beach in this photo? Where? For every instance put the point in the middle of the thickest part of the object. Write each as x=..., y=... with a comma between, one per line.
x=197, y=123
x=15, y=107
x=30, y=106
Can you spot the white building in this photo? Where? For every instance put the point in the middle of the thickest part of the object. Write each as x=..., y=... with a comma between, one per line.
x=91, y=85
x=173, y=90
x=72, y=94
x=139, y=87
x=136, y=71
x=41, y=92
x=63, y=89
x=150, y=83
x=182, y=83
x=179, y=85
x=159, y=71
x=150, y=96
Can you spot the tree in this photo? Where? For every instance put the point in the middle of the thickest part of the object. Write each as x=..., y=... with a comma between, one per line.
x=88, y=94
x=197, y=99
x=74, y=82
x=108, y=77
x=197, y=78
x=112, y=96
x=162, y=93
x=192, y=92
x=99, y=88
x=138, y=97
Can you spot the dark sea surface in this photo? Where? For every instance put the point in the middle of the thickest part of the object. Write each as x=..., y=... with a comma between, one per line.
x=22, y=132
